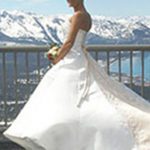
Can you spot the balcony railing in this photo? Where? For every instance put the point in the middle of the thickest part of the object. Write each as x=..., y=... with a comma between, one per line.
x=22, y=67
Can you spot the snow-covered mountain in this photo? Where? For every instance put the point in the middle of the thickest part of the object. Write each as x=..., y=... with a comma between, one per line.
x=18, y=27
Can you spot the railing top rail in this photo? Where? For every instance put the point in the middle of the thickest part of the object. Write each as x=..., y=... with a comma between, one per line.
x=120, y=47
x=89, y=47
x=24, y=48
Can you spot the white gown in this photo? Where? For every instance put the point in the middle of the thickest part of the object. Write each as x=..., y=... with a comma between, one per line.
x=77, y=106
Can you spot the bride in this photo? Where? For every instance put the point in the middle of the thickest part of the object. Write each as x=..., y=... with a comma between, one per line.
x=77, y=106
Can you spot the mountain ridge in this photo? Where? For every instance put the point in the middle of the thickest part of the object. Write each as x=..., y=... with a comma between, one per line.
x=18, y=27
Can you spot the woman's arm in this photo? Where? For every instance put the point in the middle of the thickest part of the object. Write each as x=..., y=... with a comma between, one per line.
x=74, y=27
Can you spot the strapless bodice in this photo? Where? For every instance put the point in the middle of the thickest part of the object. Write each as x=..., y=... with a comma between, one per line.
x=80, y=39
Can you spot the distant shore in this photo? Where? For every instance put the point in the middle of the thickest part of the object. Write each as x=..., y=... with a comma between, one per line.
x=136, y=83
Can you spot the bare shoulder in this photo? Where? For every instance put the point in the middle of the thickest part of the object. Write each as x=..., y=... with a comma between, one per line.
x=80, y=15
x=77, y=15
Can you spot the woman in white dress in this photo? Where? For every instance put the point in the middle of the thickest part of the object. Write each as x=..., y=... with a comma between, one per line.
x=77, y=106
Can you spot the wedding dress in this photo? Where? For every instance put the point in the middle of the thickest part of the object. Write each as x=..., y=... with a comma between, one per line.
x=77, y=106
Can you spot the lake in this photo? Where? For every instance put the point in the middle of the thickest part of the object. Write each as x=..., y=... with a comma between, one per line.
x=125, y=66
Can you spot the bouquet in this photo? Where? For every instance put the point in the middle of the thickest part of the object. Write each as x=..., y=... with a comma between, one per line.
x=53, y=51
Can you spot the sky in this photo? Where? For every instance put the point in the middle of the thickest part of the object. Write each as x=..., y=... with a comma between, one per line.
x=94, y=7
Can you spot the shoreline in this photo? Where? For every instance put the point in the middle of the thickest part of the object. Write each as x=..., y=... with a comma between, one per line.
x=125, y=78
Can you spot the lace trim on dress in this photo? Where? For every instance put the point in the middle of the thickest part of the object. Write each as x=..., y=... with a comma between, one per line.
x=124, y=103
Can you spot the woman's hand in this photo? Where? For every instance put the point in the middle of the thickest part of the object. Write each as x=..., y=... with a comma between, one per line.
x=55, y=61
x=61, y=53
